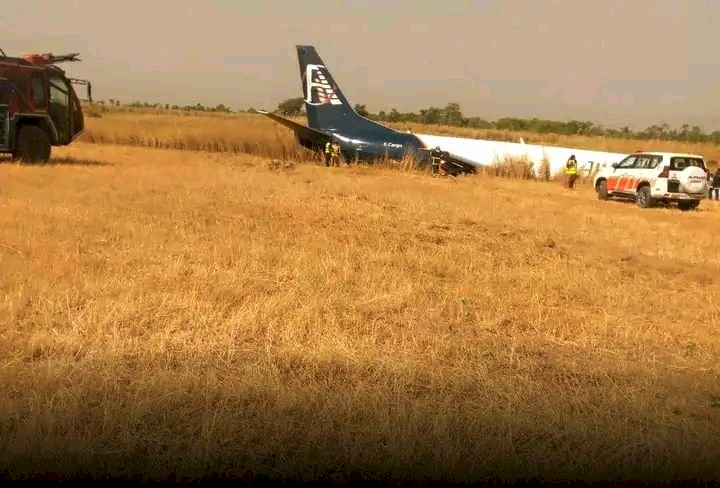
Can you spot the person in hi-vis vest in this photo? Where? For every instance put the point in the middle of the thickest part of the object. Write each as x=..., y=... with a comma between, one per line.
x=328, y=153
x=335, y=154
x=571, y=171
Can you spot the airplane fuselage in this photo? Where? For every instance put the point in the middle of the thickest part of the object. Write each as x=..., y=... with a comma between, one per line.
x=331, y=116
x=369, y=146
x=372, y=145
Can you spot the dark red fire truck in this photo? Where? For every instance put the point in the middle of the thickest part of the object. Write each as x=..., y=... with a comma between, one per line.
x=38, y=105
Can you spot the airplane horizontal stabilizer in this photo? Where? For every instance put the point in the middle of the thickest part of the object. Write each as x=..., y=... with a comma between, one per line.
x=302, y=131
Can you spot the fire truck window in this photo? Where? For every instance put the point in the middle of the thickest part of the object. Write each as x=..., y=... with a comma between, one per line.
x=4, y=90
x=37, y=86
x=59, y=105
x=58, y=94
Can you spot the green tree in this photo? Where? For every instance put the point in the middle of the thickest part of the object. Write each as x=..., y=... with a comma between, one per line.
x=453, y=115
x=361, y=110
x=291, y=106
x=432, y=115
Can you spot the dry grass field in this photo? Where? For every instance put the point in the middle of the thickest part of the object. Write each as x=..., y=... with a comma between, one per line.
x=258, y=135
x=240, y=134
x=180, y=314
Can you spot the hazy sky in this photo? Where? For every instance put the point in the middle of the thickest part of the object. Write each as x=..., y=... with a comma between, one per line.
x=617, y=62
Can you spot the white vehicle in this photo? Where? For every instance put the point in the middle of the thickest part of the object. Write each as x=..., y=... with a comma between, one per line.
x=655, y=177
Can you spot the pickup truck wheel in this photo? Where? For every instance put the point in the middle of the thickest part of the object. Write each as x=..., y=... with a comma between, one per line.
x=644, y=199
x=685, y=206
x=33, y=145
x=602, y=191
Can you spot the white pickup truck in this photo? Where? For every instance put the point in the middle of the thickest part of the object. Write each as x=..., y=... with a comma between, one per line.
x=653, y=177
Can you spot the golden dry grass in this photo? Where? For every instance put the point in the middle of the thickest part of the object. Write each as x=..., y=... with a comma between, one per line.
x=241, y=133
x=258, y=135
x=177, y=314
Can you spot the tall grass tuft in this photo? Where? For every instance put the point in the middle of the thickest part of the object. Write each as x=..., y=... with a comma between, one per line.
x=544, y=171
x=512, y=167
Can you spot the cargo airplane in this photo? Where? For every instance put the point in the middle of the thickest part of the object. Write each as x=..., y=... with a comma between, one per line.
x=330, y=116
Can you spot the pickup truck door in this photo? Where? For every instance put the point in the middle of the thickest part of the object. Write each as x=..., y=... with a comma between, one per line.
x=621, y=176
x=637, y=174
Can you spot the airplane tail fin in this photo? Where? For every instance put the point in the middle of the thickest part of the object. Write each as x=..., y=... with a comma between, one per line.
x=325, y=105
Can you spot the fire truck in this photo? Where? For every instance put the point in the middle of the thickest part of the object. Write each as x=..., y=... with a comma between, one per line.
x=39, y=107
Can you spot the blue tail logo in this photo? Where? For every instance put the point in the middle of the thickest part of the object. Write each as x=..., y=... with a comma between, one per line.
x=318, y=90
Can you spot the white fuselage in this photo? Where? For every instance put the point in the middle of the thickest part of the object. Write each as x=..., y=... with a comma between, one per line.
x=486, y=153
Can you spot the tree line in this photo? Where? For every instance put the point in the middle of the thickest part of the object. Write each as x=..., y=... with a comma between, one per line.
x=198, y=107
x=452, y=115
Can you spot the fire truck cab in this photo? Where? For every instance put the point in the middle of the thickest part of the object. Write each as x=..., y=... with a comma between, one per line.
x=38, y=106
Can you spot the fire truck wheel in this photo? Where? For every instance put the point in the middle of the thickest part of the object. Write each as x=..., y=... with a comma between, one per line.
x=33, y=145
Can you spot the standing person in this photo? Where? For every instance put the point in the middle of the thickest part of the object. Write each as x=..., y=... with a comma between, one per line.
x=710, y=183
x=571, y=171
x=442, y=167
x=435, y=156
x=328, y=153
x=716, y=184
x=335, y=157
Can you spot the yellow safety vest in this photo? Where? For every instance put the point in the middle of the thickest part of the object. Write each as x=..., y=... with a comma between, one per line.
x=571, y=168
x=327, y=147
x=336, y=150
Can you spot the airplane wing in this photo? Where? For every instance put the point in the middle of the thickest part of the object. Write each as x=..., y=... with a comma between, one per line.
x=457, y=164
x=302, y=131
